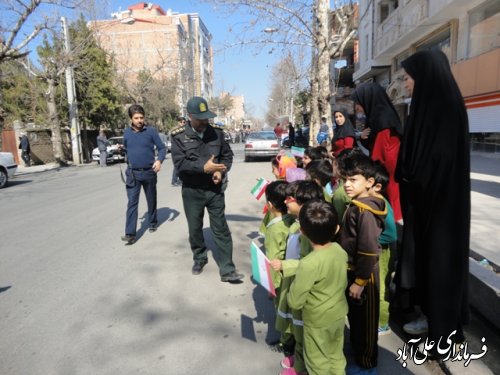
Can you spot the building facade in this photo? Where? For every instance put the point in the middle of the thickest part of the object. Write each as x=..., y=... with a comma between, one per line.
x=467, y=31
x=167, y=44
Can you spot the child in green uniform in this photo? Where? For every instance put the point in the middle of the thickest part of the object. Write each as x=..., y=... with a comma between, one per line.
x=275, y=242
x=298, y=193
x=362, y=225
x=319, y=291
x=388, y=237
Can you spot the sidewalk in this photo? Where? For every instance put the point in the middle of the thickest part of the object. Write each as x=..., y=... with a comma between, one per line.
x=23, y=170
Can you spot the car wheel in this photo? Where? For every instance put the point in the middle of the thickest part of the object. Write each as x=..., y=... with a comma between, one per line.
x=4, y=178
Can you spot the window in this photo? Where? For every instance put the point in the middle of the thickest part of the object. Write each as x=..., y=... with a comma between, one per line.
x=441, y=41
x=484, y=28
x=386, y=7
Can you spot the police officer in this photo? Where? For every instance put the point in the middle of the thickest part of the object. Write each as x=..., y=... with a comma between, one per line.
x=203, y=158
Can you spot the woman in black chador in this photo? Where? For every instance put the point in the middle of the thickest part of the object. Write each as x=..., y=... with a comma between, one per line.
x=434, y=176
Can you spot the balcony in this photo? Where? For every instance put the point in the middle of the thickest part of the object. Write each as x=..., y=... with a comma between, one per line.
x=402, y=21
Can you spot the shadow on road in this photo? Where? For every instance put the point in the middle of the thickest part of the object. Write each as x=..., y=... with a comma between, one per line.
x=4, y=288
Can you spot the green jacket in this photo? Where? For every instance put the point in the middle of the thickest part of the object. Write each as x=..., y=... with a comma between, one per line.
x=319, y=286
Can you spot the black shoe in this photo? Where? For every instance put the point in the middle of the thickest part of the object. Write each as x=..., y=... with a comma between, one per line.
x=129, y=239
x=153, y=228
x=232, y=277
x=198, y=267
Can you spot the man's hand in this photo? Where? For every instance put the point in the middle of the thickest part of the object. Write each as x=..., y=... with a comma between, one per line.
x=276, y=264
x=217, y=177
x=211, y=167
x=365, y=133
x=355, y=291
x=157, y=166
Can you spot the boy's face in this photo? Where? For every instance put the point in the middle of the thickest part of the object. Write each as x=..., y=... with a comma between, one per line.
x=357, y=186
x=292, y=206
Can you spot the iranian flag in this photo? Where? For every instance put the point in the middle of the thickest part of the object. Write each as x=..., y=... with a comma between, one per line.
x=261, y=269
x=298, y=151
x=260, y=188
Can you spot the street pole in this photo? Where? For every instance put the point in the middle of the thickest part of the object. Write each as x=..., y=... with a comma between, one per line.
x=291, y=105
x=76, y=145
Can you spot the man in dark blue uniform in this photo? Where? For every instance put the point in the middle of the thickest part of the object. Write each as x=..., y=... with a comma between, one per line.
x=203, y=158
x=139, y=142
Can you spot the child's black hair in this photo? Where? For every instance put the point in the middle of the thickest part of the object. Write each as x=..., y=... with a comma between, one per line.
x=358, y=163
x=320, y=170
x=318, y=221
x=324, y=152
x=308, y=190
x=276, y=195
x=380, y=175
x=291, y=188
x=313, y=153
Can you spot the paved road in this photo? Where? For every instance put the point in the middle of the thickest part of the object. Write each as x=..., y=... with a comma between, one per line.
x=75, y=300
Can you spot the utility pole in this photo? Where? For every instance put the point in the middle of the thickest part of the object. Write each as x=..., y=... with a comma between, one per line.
x=76, y=144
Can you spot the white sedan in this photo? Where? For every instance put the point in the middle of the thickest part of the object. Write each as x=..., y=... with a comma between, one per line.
x=8, y=168
x=114, y=152
x=261, y=144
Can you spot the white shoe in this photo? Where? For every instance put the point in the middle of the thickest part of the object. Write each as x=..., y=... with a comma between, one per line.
x=417, y=326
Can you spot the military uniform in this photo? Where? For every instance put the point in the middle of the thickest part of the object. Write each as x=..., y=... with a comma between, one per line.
x=190, y=152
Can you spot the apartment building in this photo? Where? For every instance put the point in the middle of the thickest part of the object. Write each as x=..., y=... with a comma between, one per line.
x=166, y=43
x=467, y=31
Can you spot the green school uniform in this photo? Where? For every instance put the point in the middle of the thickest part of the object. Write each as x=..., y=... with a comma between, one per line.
x=319, y=290
x=283, y=314
x=294, y=316
x=277, y=231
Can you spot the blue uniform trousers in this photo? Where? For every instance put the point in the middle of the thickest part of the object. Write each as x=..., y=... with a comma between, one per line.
x=136, y=178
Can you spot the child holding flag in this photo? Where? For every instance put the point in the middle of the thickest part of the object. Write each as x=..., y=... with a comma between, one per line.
x=297, y=193
x=277, y=232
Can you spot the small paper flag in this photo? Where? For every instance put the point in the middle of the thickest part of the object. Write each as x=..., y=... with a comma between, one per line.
x=260, y=188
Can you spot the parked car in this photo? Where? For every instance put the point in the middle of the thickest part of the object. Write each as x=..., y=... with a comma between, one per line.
x=8, y=168
x=115, y=154
x=166, y=139
x=261, y=144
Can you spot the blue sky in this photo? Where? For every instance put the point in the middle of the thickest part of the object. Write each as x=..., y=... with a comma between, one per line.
x=238, y=71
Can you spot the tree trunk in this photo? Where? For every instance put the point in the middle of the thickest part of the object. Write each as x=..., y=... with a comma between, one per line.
x=320, y=82
x=323, y=60
x=55, y=125
x=2, y=112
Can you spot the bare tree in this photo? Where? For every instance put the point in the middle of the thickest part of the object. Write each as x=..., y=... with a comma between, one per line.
x=22, y=21
x=297, y=24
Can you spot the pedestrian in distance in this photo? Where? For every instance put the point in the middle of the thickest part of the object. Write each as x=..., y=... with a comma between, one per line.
x=176, y=181
x=278, y=130
x=344, y=136
x=140, y=142
x=434, y=175
x=25, y=147
x=102, y=146
x=203, y=158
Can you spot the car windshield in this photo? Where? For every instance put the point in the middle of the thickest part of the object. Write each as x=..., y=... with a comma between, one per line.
x=267, y=136
x=115, y=141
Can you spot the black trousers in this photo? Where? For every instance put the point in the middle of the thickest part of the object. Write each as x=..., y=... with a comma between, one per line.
x=195, y=201
x=363, y=322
